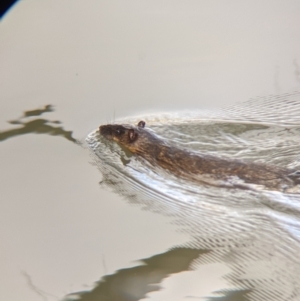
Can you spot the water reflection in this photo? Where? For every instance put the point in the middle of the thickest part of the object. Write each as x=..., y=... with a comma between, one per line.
x=134, y=283
x=238, y=295
x=37, y=126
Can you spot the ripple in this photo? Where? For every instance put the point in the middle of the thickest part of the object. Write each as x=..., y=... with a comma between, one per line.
x=257, y=232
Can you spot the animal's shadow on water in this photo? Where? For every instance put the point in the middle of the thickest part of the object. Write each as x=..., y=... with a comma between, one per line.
x=37, y=126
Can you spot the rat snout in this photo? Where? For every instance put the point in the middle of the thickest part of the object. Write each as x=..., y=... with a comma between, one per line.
x=105, y=130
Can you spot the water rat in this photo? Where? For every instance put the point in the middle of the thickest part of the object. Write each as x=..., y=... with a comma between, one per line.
x=197, y=166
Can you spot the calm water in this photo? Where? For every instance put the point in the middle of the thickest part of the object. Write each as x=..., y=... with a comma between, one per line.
x=256, y=234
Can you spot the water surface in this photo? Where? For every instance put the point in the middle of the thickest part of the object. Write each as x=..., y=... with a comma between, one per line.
x=255, y=233
x=69, y=66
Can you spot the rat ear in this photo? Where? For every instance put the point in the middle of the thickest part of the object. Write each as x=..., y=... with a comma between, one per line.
x=132, y=135
x=141, y=124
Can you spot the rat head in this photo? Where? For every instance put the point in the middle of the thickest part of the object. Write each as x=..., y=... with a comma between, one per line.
x=125, y=135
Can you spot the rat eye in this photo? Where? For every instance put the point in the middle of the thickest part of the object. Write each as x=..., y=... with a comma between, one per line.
x=119, y=131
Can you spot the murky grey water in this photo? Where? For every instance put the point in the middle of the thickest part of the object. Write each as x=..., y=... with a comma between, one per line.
x=255, y=233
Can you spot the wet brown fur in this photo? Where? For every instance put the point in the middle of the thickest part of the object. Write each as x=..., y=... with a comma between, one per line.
x=184, y=163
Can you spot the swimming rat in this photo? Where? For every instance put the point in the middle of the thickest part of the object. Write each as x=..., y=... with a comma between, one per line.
x=205, y=168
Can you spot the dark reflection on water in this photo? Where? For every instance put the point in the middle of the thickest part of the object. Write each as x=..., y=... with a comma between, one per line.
x=134, y=283
x=38, y=112
x=37, y=126
x=238, y=295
